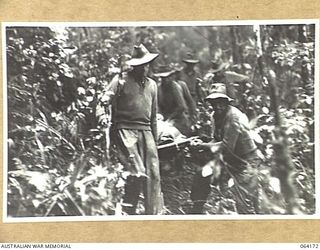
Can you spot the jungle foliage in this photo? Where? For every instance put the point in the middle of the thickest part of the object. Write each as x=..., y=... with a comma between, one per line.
x=57, y=162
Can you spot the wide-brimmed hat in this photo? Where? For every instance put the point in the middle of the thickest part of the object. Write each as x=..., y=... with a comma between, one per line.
x=141, y=56
x=164, y=71
x=218, y=90
x=218, y=66
x=190, y=58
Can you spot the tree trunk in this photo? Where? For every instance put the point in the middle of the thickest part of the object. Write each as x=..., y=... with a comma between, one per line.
x=235, y=42
x=283, y=161
x=214, y=42
x=305, y=73
x=302, y=30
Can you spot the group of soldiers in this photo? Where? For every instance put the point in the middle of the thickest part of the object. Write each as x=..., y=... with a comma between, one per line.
x=137, y=100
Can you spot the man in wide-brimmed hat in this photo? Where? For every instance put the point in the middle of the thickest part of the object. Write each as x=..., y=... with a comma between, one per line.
x=223, y=72
x=190, y=75
x=215, y=74
x=133, y=97
x=190, y=102
x=233, y=153
x=171, y=100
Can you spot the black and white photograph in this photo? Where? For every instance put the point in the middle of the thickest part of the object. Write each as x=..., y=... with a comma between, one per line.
x=160, y=120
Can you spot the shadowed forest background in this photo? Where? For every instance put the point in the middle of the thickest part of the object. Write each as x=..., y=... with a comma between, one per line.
x=57, y=161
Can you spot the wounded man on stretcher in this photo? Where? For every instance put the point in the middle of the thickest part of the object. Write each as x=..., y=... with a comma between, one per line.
x=171, y=147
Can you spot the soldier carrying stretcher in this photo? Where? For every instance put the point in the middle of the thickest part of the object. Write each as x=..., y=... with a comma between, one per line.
x=233, y=155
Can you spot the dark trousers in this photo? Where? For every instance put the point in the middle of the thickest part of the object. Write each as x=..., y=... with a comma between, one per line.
x=199, y=192
x=244, y=190
x=132, y=191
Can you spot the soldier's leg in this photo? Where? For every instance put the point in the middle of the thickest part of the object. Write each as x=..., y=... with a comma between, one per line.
x=245, y=191
x=126, y=142
x=132, y=191
x=179, y=161
x=199, y=192
x=152, y=187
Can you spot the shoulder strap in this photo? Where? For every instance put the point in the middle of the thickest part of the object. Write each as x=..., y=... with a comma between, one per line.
x=120, y=86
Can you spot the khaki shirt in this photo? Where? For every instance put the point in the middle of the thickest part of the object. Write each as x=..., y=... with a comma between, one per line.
x=234, y=131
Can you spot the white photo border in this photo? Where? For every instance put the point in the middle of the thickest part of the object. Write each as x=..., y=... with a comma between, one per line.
x=316, y=22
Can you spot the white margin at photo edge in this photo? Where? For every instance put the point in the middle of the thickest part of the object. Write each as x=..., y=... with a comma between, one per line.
x=162, y=23
x=4, y=125
x=317, y=118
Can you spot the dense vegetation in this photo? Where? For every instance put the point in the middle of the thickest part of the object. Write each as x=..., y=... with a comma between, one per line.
x=57, y=150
